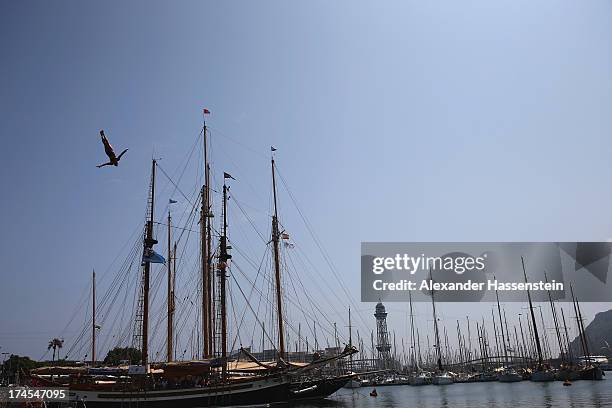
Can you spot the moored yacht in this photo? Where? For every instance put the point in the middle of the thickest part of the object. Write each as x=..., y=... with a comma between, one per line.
x=443, y=378
x=509, y=375
x=542, y=375
x=421, y=378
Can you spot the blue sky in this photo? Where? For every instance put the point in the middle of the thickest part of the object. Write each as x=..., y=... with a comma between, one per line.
x=405, y=121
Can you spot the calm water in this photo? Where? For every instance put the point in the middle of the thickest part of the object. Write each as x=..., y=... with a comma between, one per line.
x=478, y=395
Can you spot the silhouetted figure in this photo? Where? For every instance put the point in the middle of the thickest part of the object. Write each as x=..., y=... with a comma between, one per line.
x=108, y=149
x=374, y=393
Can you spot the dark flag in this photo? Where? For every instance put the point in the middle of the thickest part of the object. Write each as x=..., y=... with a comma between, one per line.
x=227, y=175
x=152, y=257
x=273, y=148
x=206, y=111
x=171, y=201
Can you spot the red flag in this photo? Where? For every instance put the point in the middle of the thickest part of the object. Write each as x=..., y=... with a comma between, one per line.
x=206, y=111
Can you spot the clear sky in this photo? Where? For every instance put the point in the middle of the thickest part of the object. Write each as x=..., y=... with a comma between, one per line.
x=395, y=121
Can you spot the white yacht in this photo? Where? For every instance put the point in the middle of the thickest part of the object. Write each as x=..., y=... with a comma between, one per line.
x=443, y=378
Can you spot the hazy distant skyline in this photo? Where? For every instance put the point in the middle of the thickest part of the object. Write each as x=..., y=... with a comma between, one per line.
x=400, y=121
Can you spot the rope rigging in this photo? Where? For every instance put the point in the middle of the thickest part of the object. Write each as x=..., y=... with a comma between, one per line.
x=116, y=318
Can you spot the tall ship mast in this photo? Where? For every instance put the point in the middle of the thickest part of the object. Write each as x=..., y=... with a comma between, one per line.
x=148, y=243
x=93, y=319
x=206, y=215
x=277, y=273
x=170, y=301
x=224, y=257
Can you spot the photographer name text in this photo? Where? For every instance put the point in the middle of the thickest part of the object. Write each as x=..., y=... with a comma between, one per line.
x=469, y=285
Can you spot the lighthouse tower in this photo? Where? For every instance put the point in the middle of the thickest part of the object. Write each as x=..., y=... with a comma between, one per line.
x=382, y=337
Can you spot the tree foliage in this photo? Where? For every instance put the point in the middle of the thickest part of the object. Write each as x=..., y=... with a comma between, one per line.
x=17, y=364
x=118, y=354
x=55, y=344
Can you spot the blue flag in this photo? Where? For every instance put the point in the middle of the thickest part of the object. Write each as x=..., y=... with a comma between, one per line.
x=152, y=257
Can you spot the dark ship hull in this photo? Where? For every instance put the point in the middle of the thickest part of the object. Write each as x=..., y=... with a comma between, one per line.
x=591, y=373
x=239, y=393
x=317, y=389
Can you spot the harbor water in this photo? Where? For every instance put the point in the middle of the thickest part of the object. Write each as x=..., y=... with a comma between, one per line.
x=592, y=394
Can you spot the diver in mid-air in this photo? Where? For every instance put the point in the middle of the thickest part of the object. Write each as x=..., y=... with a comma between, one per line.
x=113, y=159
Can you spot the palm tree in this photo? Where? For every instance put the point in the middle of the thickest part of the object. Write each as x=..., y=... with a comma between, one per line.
x=55, y=344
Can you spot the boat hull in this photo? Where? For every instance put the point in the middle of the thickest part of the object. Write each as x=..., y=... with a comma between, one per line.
x=441, y=380
x=510, y=377
x=317, y=389
x=483, y=378
x=542, y=376
x=568, y=375
x=592, y=373
x=419, y=380
x=247, y=393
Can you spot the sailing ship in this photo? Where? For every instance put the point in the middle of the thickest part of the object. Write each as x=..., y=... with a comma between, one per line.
x=441, y=377
x=215, y=379
x=588, y=370
x=507, y=374
x=354, y=381
x=416, y=376
x=542, y=373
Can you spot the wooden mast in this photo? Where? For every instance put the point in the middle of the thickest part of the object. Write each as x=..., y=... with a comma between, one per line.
x=223, y=258
x=148, y=245
x=207, y=316
x=275, y=241
x=170, y=335
x=93, y=322
x=174, y=253
x=209, y=269
x=533, y=320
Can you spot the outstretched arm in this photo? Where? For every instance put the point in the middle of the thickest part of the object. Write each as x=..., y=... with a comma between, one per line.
x=105, y=164
x=121, y=154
